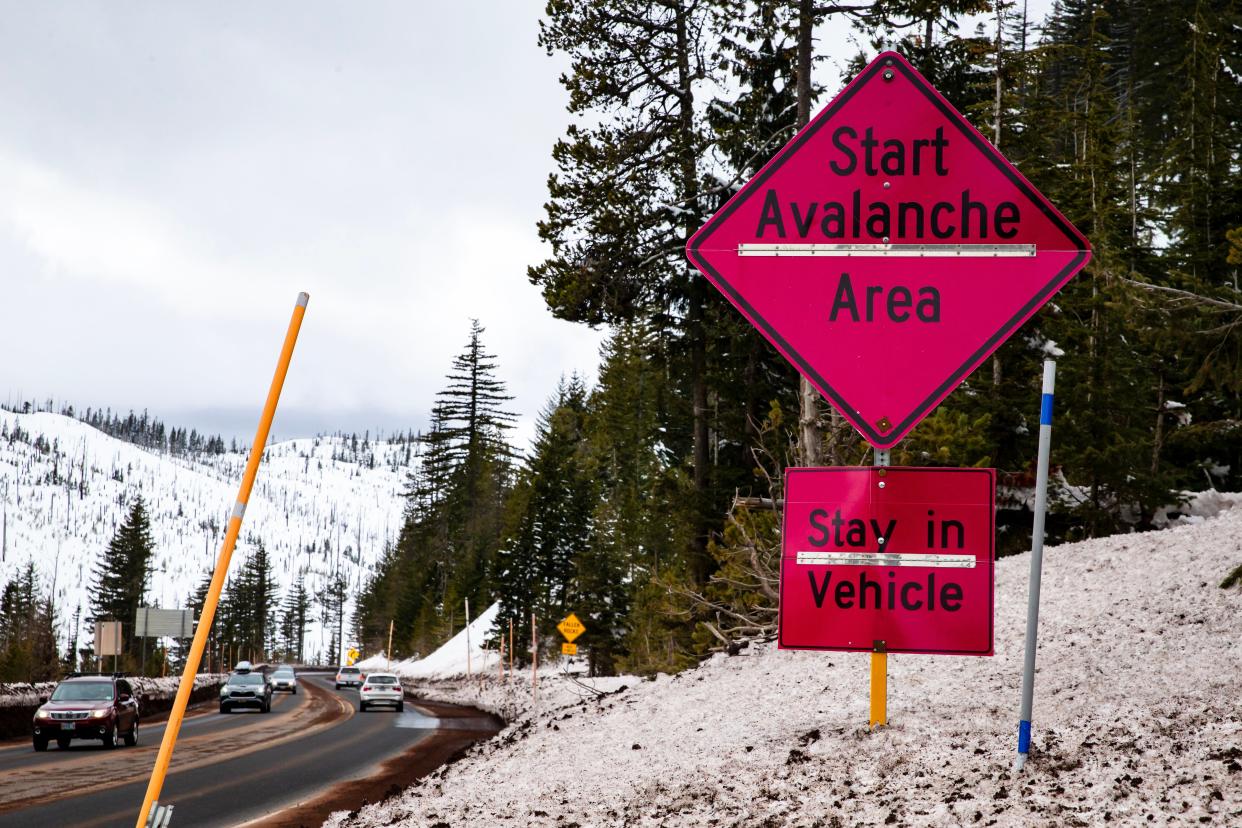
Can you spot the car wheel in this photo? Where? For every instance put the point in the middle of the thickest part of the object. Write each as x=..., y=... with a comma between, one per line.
x=111, y=737
x=294, y=691
x=40, y=744
x=62, y=742
x=338, y=687
x=400, y=706
x=267, y=708
x=223, y=709
x=362, y=707
x=131, y=738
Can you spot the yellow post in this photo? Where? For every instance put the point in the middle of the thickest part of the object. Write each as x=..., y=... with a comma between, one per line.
x=222, y=567
x=879, y=689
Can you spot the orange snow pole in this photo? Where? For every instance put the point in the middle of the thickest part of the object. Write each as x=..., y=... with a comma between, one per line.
x=879, y=654
x=879, y=689
x=222, y=567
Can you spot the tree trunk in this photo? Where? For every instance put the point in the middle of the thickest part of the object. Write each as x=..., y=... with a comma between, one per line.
x=810, y=440
x=694, y=313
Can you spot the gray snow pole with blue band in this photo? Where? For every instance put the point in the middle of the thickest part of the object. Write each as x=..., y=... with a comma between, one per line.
x=1037, y=563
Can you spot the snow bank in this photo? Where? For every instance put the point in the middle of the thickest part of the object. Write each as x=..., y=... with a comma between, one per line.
x=22, y=694
x=1199, y=506
x=1137, y=720
x=453, y=658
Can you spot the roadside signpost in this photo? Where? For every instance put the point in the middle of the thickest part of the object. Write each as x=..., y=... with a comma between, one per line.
x=894, y=559
x=886, y=251
x=108, y=641
x=152, y=622
x=571, y=627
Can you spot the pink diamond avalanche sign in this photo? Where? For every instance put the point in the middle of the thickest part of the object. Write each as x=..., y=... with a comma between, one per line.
x=888, y=250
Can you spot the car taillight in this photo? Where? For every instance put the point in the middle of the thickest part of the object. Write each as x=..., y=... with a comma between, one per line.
x=367, y=688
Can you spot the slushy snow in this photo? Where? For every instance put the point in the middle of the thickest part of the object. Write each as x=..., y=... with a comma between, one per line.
x=1137, y=719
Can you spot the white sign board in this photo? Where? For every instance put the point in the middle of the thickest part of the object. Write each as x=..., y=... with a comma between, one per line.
x=108, y=639
x=157, y=623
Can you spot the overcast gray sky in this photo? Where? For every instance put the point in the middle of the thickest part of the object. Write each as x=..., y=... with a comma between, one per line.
x=171, y=175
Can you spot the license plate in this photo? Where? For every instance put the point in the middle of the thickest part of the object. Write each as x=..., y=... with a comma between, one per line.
x=66, y=725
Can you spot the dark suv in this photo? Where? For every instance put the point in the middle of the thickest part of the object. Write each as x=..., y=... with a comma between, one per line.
x=88, y=707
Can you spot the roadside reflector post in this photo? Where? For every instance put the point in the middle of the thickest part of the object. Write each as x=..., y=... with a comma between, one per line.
x=534, y=659
x=879, y=654
x=146, y=817
x=1037, y=563
x=467, y=638
x=388, y=652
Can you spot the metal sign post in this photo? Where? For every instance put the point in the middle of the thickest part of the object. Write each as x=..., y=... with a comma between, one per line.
x=1037, y=564
x=879, y=655
x=885, y=559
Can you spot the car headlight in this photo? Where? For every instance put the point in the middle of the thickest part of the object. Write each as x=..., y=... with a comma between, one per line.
x=99, y=714
x=41, y=713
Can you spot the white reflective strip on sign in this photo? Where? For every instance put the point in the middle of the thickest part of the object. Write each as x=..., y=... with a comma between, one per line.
x=886, y=559
x=918, y=251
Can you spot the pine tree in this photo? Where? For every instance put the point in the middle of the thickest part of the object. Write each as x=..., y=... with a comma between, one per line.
x=628, y=194
x=455, y=508
x=123, y=572
x=28, y=649
x=551, y=513
x=295, y=614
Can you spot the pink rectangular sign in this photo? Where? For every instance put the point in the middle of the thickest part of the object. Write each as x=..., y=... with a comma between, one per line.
x=890, y=559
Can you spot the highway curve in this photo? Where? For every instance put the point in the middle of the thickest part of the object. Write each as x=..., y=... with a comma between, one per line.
x=312, y=754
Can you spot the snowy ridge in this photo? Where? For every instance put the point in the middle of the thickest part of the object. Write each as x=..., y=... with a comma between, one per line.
x=65, y=487
x=1136, y=721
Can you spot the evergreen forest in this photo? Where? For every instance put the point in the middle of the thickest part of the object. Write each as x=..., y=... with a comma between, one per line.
x=645, y=504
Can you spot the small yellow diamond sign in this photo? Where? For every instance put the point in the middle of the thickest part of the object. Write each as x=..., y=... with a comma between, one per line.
x=569, y=649
x=571, y=627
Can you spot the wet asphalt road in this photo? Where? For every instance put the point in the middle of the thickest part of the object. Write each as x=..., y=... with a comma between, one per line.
x=236, y=788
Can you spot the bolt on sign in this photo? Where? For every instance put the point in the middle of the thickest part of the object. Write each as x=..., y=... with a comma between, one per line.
x=569, y=649
x=889, y=559
x=887, y=250
x=571, y=628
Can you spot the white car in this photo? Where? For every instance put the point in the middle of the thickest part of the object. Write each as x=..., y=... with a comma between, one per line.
x=349, y=677
x=381, y=688
x=283, y=678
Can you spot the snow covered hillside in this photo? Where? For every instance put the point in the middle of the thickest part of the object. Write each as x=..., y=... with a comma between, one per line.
x=1137, y=720
x=318, y=505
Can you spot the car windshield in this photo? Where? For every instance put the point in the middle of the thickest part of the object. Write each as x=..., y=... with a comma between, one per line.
x=382, y=680
x=284, y=671
x=247, y=679
x=350, y=670
x=84, y=691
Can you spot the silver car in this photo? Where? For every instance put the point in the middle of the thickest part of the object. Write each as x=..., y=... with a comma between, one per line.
x=283, y=678
x=381, y=688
